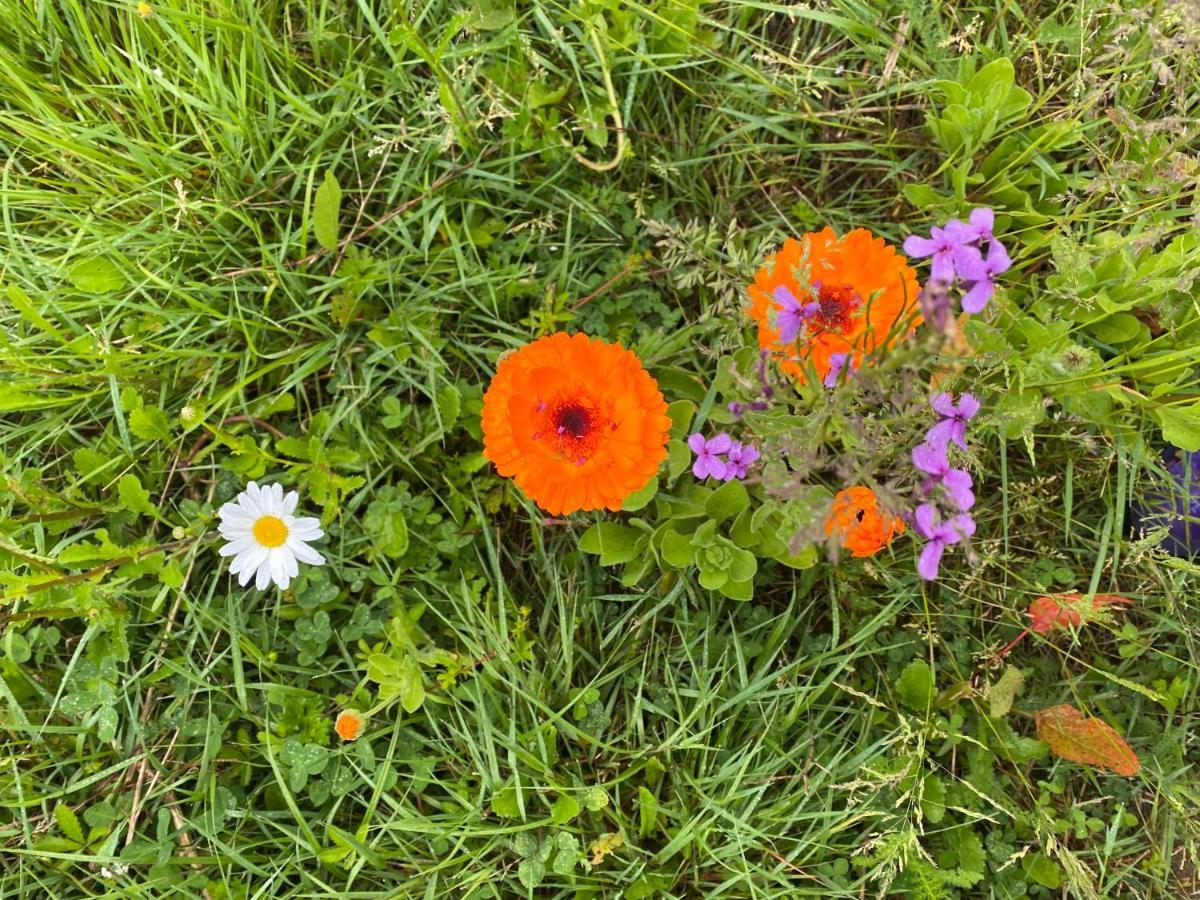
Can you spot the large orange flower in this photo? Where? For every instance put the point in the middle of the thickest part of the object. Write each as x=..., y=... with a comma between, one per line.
x=857, y=294
x=578, y=423
x=859, y=523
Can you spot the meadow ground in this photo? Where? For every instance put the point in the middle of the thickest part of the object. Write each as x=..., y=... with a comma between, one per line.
x=180, y=313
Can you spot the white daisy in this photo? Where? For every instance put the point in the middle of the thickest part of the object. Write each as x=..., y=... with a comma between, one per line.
x=265, y=539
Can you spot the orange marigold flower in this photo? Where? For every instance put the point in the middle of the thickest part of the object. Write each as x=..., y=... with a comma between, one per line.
x=350, y=724
x=578, y=423
x=857, y=292
x=859, y=523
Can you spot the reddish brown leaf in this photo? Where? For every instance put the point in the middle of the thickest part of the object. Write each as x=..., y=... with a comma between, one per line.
x=1067, y=610
x=1085, y=739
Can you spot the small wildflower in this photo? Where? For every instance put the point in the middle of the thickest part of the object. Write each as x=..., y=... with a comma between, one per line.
x=145, y=10
x=938, y=536
x=953, y=426
x=350, y=724
x=708, y=455
x=979, y=273
x=1174, y=505
x=792, y=314
x=978, y=226
x=942, y=245
x=837, y=362
x=931, y=459
x=741, y=458
x=265, y=539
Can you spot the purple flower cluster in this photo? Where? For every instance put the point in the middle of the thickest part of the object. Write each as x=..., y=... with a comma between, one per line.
x=943, y=519
x=957, y=252
x=709, y=462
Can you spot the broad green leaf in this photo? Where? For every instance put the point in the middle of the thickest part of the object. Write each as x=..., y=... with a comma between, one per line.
x=97, y=275
x=134, y=497
x=449, y=402
x=680, y=413
x=647, y=812
x=387, y=526
x=595, y=799
x=565, y=809
x=326, y=210
x=506, y=803
x=915, y=685
x=409, y=679
x=615, y=543
x=150, y=424
x=641, y=498
x=1001, y=694
x=727, y=501
x=1181, y=425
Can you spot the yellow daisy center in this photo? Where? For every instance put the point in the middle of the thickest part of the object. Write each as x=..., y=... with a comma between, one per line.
x=270, y=531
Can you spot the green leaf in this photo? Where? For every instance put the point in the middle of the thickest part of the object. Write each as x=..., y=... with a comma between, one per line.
x=449, y=403
x=933, y=799
x=134, y=497
x=595, y=799
x=506, y=803
x=21, y=302
x=1019, y=413
x=326, y=209
x=679, y=458
x=615, y=543
x=68, y=823
x=915, y=685
x=647, y=812
x=1001, y=694
x=738, y=590
x=150, y=424
x=1043, y=870
x=1181, y=426
x=97, y=275
x=727, y=501
x=409, y=680
x=531, y=871
x=680, y=413
x=565, y=809
x=641, y=498
x=387, y=527
x=677, y=549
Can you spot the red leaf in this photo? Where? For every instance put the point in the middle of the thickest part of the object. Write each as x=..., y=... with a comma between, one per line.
x=1085, y=739
x=1067, y=610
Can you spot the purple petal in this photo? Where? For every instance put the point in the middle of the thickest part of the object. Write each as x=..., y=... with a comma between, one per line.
x=978, y=295
x=957, y=483
x=945, y=431
x=700, y=467
x=943, y=404
x=943, y=265
x=785, y=297
x=983, y=220
x=719, y=444
x=925, y=519
x=931, y=557
x=968, y=405
x=959, y=232
x=968, y=261
x=789, y=323
x=919, y=247
x=718, y=467
x=930, y=459
x=963, y=526
x=696, y=442
x=997, y=258
x=750, y=455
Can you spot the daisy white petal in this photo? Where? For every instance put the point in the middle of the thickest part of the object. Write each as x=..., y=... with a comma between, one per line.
x=266, y=542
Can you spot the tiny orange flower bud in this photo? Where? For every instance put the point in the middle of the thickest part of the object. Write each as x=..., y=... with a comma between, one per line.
x=349, y=725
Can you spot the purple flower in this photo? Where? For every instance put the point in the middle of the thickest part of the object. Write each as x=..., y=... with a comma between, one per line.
x=1174, y=504
x=931, y=459
x=979, y=272
x=942, y=245
x=792, y=314
x=953, y=426
x=837, y=362
x=978, y=227
x=708, y=461
x=741, y=458
x=938, y=535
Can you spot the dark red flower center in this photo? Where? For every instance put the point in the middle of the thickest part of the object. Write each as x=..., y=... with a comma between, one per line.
x=839, y=303
x=572, y=425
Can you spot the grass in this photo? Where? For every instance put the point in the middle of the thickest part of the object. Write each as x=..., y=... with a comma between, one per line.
x=170, y=316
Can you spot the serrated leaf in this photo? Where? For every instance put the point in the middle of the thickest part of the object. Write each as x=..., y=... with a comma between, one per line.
x=150, y=424
x=68, y=823
x=1001, y=694
x=134, y=497
x=1085, y=739
x=326, y=210
x=449, y=403
x=506, y=803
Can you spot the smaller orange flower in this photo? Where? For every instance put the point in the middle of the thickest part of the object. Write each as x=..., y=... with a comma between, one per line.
x=350, y=724
x=859, y=523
